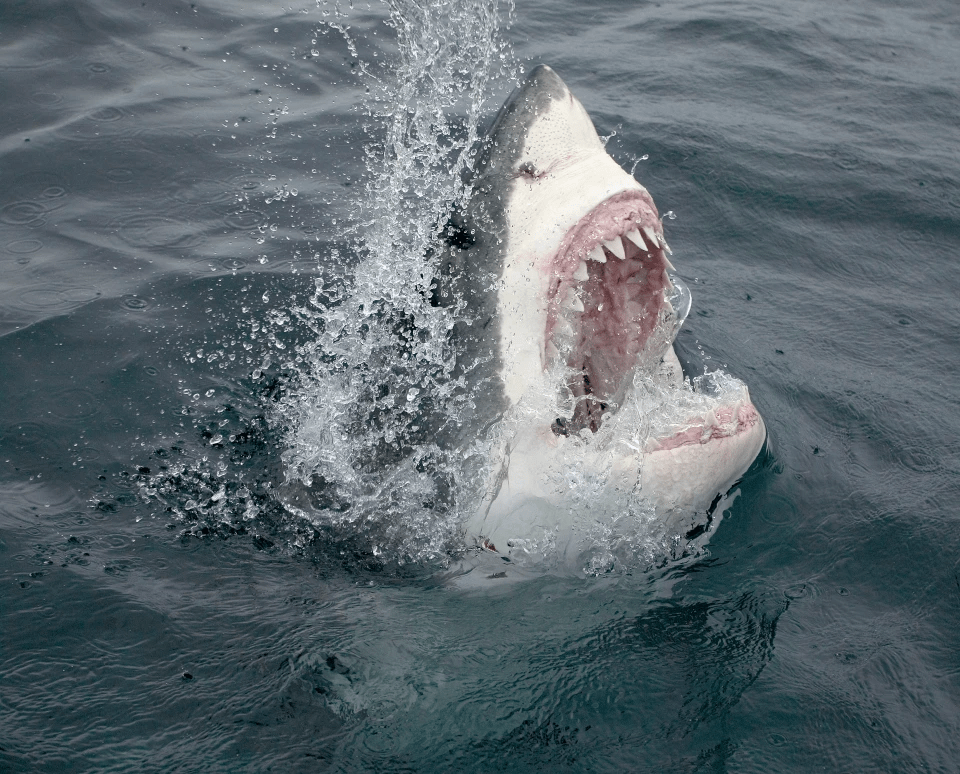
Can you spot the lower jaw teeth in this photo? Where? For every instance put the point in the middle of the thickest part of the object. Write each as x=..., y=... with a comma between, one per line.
x=572, y=301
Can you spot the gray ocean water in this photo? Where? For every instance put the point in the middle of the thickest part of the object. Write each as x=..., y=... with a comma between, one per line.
x=187, y=187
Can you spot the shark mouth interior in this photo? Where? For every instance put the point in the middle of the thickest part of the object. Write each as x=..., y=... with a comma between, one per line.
x=608, y=297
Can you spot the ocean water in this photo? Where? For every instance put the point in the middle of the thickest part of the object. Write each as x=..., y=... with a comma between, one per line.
x=196, y=197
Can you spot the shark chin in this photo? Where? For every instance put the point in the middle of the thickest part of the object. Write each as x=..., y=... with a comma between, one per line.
x=561, y=256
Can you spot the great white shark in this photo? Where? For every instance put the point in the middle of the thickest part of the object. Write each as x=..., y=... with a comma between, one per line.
x=560, y=256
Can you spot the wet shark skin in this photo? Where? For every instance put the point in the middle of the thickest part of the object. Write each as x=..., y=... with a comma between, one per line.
x=544, y=191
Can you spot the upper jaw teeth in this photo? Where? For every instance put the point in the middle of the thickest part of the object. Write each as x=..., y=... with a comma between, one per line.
x=572, y=301
x=650, y=235
x=615, y=246
x=643, y=237
x=634, y=236
x=596, y=254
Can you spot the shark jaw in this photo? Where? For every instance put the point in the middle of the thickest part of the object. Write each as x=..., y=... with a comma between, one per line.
x=584, y=314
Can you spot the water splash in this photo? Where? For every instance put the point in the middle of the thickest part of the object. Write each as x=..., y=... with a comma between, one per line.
x=375, y=395
x=385, y=446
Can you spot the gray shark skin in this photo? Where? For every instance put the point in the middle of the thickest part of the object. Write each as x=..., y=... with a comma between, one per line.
x=560, y=259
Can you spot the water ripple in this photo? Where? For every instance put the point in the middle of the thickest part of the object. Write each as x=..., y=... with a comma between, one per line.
x=245, y=220
x=120, y=175
x=135, y=303
x=23, y=213
x=23, y=246
x=157, y=231
x=45, y=98
x=53, y=299
x=75, y=403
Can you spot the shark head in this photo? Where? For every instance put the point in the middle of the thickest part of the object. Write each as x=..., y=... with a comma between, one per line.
x=584, y=276
x=584, y=303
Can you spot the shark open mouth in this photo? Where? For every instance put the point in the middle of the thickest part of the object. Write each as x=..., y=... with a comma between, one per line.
x=608, y=298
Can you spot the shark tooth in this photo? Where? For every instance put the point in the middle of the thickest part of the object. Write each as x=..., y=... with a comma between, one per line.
x=572, y=301
x=634, y=236
x=596, y=254
x=615, y=246
x=670, y=266
x=581, y=273
x=650, y=235
x=564, y=328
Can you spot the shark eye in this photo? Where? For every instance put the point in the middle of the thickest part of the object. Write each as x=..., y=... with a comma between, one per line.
x=528, y=170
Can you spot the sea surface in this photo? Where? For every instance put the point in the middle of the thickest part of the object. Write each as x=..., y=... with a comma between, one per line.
x=200, y=205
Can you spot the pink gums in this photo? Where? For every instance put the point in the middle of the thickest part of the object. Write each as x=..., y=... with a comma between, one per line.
x=730, y=421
